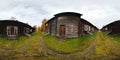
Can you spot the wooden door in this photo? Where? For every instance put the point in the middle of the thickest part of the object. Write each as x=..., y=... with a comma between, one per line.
x=62, y=30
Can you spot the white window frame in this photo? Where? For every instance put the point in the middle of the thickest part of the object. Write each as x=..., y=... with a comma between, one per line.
x=9, y=31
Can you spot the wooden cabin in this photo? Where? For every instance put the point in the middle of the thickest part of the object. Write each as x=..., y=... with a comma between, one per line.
x=87, y=27
x=112, y=28
x=68, y=24
x=13, y=29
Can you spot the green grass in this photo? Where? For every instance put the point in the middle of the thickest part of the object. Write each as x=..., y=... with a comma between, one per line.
x=101, y=49
x=107, y=45
x=115, y=37
x=21, y=47
x=69, y=45
x=115, y=40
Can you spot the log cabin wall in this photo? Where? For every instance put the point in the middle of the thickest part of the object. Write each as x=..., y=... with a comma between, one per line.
x=68, y=25
x=48, y=27
x=112, y=28
x=8, y=27
x=71, y=25
x=53, y=27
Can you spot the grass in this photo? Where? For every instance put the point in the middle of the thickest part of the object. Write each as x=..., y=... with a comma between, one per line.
x=107, y=45
x=115, y=41
x=101, y=49
x=21, y=47
x=69, y=45
x=115, y=37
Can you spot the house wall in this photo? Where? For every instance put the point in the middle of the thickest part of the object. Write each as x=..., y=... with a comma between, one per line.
x=53, y=27
x=74, y=26
x=48, y=25
x=112, y=28
x=82, y=27
x=116, y=27
x=87, y=28
x=17, y=29
x=71, y=25
x=2, y=30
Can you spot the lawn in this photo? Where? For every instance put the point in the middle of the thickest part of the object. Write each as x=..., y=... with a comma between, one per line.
x=68, y=45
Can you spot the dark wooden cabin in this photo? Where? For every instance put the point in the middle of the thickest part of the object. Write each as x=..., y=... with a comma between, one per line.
x=112, y=28
x=68, y=24
x=13, y=29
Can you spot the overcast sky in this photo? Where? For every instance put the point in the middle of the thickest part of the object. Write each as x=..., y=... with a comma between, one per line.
x=98, y=12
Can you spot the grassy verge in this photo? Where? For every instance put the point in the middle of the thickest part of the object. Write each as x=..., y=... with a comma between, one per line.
x=69, y=45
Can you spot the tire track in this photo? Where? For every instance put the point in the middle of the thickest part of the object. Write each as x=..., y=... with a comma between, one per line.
x=86, y=52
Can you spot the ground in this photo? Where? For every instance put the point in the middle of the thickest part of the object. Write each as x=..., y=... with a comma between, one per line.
x=98, y=46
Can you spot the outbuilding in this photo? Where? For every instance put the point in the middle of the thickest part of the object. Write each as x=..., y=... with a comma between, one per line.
x=68, y=24
x=112, y=28
x=12, y=29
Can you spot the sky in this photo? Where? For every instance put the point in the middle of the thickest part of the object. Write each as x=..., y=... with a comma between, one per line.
x=97, y=12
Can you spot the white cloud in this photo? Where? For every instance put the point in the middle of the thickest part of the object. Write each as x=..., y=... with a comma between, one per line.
x=98, y=12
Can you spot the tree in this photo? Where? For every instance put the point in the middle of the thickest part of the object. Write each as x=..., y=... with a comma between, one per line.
x=35, y=27
x=42, y=28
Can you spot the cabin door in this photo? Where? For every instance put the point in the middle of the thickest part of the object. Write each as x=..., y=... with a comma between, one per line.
x=62, y=30
x=12, y=32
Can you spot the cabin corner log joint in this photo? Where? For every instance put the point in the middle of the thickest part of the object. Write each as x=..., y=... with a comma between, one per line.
x=12, y=29
x=69, y=24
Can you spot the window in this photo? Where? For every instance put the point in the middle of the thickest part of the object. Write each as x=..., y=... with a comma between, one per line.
x=106, y=28
x=12, y=30
x=46, y=24
x=86, y=27
x=26, y=30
